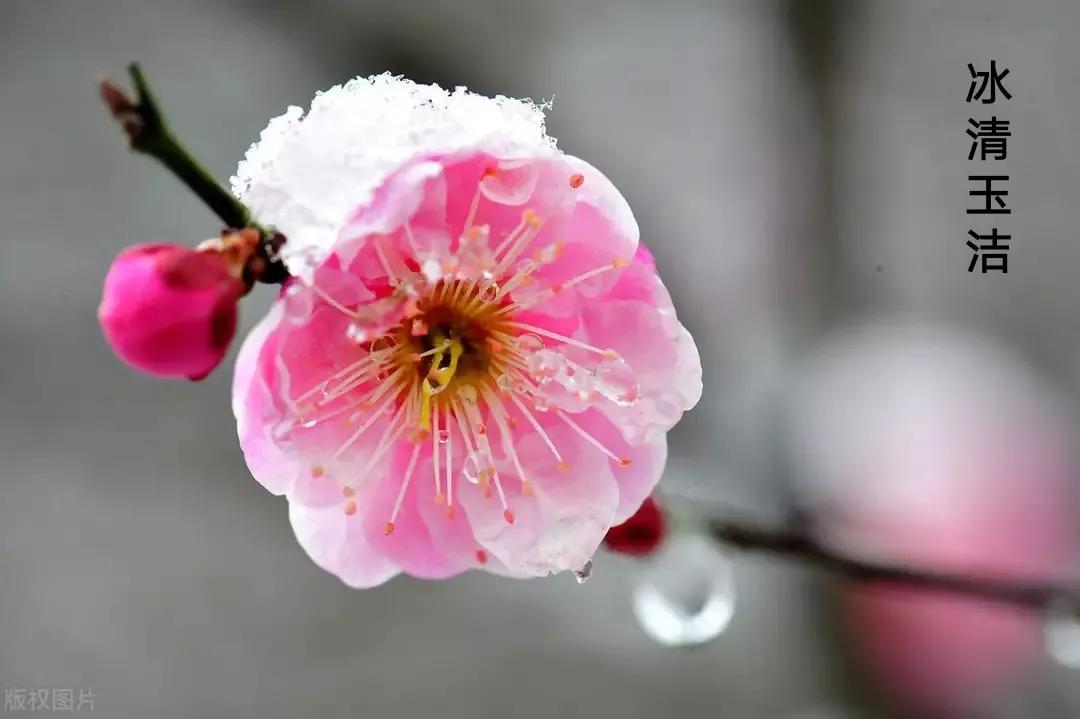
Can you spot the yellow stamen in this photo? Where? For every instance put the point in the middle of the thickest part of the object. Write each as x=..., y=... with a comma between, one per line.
x=440, y=375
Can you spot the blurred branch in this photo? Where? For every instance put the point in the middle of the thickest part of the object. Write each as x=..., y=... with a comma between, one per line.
x=1036, y=596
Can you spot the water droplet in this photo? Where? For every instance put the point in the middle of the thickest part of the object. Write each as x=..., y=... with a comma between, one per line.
x=548, y=253
x=686, y=594
x=512, y=183
x=381, y=347
x=468, y=393
x=357, y=334
x=444, y=436
x=529, y=342
x=1063, y=635
x=546, y=365
x=476, y=466
x=615, y=380
x=308, y=423
x=540, y=404
x=578, y=381
x=582, y=575
x=489, y=291
x=474, y=252
x=505, y=382
x=411, y=286
x=432, y=269
x=476, y=236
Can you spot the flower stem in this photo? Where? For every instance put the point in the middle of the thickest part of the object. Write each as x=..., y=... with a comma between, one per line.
x=149, y=133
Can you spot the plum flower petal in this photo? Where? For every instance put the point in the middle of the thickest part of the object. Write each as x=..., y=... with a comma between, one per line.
x=476, y=364
x=308, y=172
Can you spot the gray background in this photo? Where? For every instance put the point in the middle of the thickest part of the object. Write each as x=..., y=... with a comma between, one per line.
x=793, y=165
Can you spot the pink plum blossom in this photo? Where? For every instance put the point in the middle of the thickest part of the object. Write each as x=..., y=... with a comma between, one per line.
x=476, y=363
x=170, y=310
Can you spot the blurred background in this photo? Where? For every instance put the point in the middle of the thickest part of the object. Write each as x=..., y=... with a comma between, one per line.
x=799, y=170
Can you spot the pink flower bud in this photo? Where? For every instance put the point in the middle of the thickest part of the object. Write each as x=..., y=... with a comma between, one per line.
x=169, y=310
x=643, y=533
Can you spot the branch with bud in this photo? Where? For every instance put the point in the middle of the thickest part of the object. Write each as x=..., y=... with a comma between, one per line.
x=167, y=309
x=643, y=533
x=1036, y=596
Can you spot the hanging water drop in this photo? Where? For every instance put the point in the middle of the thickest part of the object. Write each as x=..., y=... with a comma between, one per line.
x=412, y=286
x=476, y=466
x=615, y=380
x=489, y=291
x=357, y=334
x=582, y=575
x=548, y=253
x=432, y=269
x=444, y=436
x=1063, y=634
x=529, y=342
x=474, y=251
x=686, y=594
x=546, y=365
x=578, y=381
x=512, y=183
x=381, y=347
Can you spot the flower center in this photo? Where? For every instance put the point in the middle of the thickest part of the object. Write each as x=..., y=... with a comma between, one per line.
x=460, y=360
x=449, y=341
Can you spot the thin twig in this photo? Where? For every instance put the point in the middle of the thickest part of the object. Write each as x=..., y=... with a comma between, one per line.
x=148, y=132
x=1036, y=596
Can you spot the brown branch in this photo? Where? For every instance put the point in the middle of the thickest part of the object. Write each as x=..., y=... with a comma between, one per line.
x=1036, y=596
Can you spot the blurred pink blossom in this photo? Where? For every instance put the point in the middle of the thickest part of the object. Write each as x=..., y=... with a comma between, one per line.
x=935, y=449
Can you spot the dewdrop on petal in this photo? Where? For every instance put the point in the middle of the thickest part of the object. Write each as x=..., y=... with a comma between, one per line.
x=520, y=363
